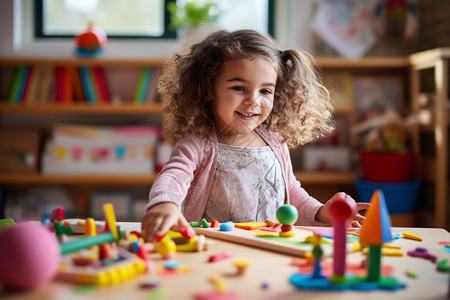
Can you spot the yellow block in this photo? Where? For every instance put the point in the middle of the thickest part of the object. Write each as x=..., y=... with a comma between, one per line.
x=412, y=236
x=110, y=216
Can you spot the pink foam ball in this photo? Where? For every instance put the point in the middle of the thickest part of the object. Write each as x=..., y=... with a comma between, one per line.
x=29, y=256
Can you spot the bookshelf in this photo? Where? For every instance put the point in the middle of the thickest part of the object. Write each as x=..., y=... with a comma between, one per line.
x=430, y=98
x=48, y=113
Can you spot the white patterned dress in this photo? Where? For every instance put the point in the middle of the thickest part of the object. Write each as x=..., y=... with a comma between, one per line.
x=247, y=186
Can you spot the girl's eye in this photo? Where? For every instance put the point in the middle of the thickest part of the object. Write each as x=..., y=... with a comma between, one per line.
x=266, y=92
x=238, y=88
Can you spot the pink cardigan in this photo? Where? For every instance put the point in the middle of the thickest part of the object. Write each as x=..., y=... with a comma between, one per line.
x=189, y=173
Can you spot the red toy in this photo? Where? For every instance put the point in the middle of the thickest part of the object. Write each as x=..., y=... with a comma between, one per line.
x=91, y=42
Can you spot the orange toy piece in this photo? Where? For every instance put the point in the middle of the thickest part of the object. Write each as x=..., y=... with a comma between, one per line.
x=105, y=251
x=250, y=225
x=377, y=226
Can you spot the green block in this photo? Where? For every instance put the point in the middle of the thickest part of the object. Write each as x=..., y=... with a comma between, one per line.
x=5, y=223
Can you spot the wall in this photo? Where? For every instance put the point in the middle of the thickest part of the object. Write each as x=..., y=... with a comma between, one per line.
x=16, y=21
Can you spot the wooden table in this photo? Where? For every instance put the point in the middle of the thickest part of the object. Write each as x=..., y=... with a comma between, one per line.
x=268, y=268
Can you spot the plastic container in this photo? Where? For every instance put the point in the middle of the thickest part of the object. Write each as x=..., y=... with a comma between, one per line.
x=400, y=197
x=388, y=167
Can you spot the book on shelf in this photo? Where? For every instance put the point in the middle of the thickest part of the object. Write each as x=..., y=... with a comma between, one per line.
x=34, y=86
x=91, y=78
x=48, y=85
x=142, y=85
x=77, y=86
x=24, y=84
x=63, y=86
x=152, y=89
x=15, y=86
x=99, y=82
x=66, y=84
x=88, y=88
x=38, y=85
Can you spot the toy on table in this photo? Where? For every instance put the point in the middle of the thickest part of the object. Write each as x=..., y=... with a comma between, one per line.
x=89, y=227
x=227, y=226
x=106, y=237
x=184, y=241
x=110, y=267
x=287, y=215
x=340, y=212
x=220, y=256
x=5, y=223
x=220, y=291
x=375, y=232
x=166, y=247
x=423, y=253
x=57, y=215
x=411, y=236
x=91, y=42
x=241, y=266
x=317, y=254
x=29, y=256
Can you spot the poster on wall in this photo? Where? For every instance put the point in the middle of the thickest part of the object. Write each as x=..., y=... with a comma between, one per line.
x=346, y=26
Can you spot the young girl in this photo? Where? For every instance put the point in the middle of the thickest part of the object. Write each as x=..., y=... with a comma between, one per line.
x=233, y=104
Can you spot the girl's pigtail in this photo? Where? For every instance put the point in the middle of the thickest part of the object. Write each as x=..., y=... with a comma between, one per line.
x=305, y=110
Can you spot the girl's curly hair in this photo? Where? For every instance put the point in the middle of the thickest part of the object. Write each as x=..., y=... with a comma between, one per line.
x=302, y=110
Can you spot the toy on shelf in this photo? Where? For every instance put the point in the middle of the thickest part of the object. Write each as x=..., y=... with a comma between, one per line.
x=287, y=215
x=75, y=149
x=91, y=42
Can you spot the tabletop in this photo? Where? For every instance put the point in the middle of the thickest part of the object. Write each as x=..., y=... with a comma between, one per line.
x=266, y=278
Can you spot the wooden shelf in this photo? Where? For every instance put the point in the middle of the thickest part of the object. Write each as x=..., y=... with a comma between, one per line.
x=427, y=59
x=433, y=165
x=364, y=63
x=81, y=179
x=81, y=61
x=326, y=177
x=79, y=108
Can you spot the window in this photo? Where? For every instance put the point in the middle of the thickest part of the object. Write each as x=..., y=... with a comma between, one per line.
x=140, y=18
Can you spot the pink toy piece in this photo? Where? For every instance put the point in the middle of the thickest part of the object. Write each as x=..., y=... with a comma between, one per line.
x=220, y=256
x=423, y=253
x=29, y=256
x=340, y=211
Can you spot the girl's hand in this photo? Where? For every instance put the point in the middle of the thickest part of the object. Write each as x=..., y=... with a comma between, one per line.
x=162, y=217
x=323, y=216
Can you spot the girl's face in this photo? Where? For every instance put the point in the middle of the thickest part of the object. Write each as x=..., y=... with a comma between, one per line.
x=243, y=95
